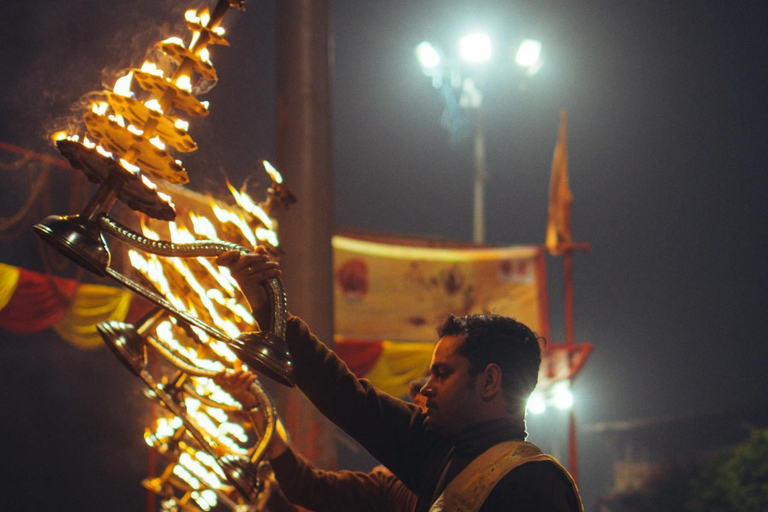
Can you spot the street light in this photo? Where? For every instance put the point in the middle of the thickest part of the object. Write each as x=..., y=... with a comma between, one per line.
x=454, y=79
x=428, y=55
x=475, y=48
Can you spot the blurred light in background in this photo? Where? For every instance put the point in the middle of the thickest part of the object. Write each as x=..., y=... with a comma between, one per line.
x=563, y=398
x=428, y=55
x=475, y=48
x=536, y=404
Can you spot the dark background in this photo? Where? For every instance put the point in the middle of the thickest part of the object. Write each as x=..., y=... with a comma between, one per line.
x=667, y=144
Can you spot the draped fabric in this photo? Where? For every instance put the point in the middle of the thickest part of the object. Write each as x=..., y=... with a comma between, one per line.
x=359, y=355
x=31, y=302
x=385, y=291
x=37, y=302
x=389, y=365
x=91, y=305
x=9, y=278
x=400, y=363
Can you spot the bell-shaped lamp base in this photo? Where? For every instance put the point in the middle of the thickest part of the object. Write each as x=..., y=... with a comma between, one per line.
x=126, y=343
x=77, y=240
x=266, y=354
x=242, y=474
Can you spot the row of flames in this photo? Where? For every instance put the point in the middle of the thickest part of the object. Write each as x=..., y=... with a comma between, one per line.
x=120, y=126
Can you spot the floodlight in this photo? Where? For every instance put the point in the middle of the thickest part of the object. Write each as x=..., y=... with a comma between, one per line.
x=536, y=404
x=529, y=52
x=428, y=56
x=563, y=397
x=475, y=48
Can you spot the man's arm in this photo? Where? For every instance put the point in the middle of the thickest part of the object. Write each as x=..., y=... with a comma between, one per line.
x=392, y=430
x=327, y=491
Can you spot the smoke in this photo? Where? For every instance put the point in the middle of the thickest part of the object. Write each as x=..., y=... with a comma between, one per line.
x=73, y=52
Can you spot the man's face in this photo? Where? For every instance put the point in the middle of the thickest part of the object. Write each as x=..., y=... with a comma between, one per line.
x=452, y=399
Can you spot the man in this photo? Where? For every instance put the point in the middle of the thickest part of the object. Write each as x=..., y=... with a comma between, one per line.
x=483, y=369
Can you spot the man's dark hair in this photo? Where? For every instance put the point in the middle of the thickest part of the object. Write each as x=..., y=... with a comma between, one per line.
x=504, y=341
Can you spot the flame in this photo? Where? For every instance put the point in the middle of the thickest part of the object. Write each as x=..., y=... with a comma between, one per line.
x=60, y=135
x=133, y=169
x=117, y=119
x=181, y=124
x=153, y=104
x=123, y=86
x=206, y=104
x=103, y=152
x=205, y=17
x=219, y=31
x=205, y=55
x=174, y=40
x=184, y=83
x=100, y=108
x=159, y=144
x=181, y=472
x=236, y=218
x=191, y=16
x=247, y=203
x=135, y=130
x=195, y=38
x=151, y=68
x=273, y=173
x=87, y=142
x=266, y=235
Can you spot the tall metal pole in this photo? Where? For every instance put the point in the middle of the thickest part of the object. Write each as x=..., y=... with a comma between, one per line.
x=478, y=226
x=573, y=451
x=304, y=158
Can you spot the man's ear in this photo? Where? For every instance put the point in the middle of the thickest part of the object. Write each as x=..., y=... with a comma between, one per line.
x=491, y=381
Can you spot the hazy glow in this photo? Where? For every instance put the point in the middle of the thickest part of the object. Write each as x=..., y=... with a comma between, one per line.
x=428, y=56
x=562, y=396
x=475, y=48
x=536, y=404
x=529, y=52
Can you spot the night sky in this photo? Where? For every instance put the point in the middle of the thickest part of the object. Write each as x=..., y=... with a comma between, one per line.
x=667, y=143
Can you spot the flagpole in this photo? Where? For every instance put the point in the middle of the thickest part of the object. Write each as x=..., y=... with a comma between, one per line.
x=478, y=231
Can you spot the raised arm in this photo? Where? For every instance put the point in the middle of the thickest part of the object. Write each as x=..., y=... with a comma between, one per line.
x=392, y=430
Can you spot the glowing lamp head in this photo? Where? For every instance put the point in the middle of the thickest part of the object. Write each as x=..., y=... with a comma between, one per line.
x=529, y=53
x=428, y=55
x=475, y=48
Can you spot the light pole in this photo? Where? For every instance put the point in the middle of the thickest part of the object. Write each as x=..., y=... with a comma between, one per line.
x=455, y=78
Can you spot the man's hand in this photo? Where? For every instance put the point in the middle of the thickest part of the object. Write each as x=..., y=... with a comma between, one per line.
x=250, y=270
x=237, y=384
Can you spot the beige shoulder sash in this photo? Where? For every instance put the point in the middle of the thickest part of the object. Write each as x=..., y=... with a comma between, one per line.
x=469, y=489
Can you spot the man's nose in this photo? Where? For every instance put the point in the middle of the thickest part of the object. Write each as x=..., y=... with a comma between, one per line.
x=427, y=390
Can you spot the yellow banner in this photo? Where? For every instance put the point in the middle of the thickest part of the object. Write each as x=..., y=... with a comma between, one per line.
x=91, y=305
x=397, y=292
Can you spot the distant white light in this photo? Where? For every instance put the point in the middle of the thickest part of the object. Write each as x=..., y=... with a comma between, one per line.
x=529, y=53
x=475, y=48
x=536, y=404
x=563, y=397
x=428, y=55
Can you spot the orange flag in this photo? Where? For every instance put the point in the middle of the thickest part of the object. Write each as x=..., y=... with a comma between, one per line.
x=560, y=197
